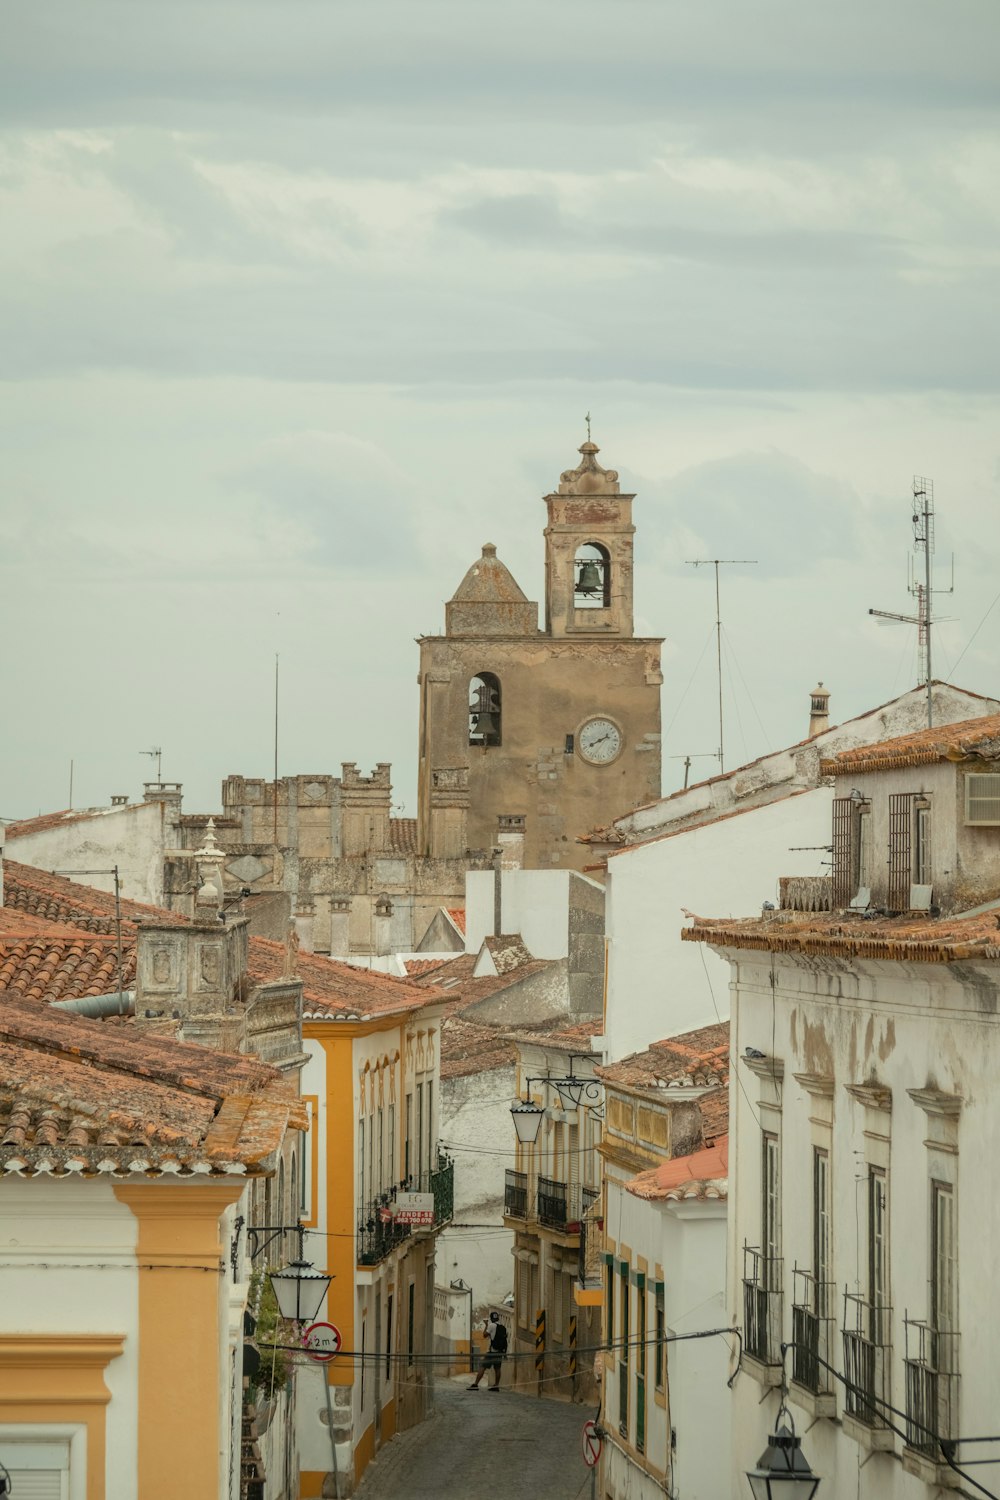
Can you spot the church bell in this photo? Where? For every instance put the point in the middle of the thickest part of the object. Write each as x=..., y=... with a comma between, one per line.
x=590, y=579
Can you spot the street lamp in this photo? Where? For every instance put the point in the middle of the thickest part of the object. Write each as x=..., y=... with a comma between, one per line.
x=527, y=1117
x=783, y=1471
x=299, y=1291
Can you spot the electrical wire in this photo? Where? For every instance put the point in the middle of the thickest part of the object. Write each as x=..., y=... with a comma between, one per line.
x=978, y=628
x=680, y=705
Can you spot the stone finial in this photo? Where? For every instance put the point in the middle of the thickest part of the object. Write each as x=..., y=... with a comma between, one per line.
x=589, y=477
x=209, y=860
x=290, y=968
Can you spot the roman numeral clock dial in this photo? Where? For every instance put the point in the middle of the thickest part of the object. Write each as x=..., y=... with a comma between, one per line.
x=600, y=741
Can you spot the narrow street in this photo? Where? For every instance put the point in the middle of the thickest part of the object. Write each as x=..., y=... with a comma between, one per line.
x=477, y=1446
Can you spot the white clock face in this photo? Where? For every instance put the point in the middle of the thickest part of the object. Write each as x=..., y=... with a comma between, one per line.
x=600, y=741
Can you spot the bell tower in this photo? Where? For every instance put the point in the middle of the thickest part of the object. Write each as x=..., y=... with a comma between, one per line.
x=551, y=731
x=588, y=553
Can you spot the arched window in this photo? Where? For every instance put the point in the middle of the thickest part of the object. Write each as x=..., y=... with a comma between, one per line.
x=592, y=577
x=484, y=710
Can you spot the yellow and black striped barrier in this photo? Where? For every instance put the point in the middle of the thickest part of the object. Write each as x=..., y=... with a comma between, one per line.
x=572, y=1346
x=540, y=1347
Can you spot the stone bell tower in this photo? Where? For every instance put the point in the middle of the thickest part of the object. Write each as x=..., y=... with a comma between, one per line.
x=556, y=728
x=588, y=552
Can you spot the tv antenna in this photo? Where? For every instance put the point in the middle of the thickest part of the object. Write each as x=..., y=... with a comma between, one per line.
x=717, y=563
x=156, y=754
x=923, y=592
x=698, y=755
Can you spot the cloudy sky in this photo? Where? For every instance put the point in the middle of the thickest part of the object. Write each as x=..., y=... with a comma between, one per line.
x=302, y=303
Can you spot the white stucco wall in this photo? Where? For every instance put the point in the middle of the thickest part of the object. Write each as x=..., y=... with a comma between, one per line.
x=656, y=984
x=685, y=1246
x=133, y=837
x=476, y=1126
x=908, y=1026
x=67, y=1265
x=535, y=904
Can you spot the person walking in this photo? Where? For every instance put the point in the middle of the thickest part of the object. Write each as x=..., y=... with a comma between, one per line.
x=493, y=1359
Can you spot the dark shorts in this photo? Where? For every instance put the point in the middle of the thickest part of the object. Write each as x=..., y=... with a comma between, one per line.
x=492, y=1361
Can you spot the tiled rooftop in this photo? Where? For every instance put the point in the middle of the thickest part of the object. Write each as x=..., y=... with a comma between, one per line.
x=457, y=915
x=403, y=835
x=921, y=940
x=696, y=1057
x=56, y=962
x=967, y=738
x=703, y=1175
x=78, y=1097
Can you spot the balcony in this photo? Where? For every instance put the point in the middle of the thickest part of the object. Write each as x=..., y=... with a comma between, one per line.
x=867, y=1360
x=515, y=1195
x=762, y=1306
x=379, y=1233
x=931, y=1376
x=812, y=1332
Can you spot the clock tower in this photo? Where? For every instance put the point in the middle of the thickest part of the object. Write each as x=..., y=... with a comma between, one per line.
x=547, y=731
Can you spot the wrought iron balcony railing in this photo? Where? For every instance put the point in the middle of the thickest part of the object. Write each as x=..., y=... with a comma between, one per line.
x=762, y=1306
x=867, y=1358
x=515, y=1195
x=931, y=1375
x=379, y=1232
x=812, y=1332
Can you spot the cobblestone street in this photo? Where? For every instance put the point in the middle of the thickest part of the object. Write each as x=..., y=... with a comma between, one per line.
x=477, y=1446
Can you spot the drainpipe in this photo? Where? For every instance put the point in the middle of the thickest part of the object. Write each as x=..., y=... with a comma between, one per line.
x=497, y=894
x=99, y=1006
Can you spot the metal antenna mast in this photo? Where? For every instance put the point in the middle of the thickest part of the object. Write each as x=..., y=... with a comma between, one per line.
x=923, y=541
x=716, y=563
x=156, y=754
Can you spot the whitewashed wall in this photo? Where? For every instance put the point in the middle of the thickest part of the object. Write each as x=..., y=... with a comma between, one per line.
x=476, y=1125
x=133, y=837
x=908, y=1026
x=656, y=984
x=535, y=904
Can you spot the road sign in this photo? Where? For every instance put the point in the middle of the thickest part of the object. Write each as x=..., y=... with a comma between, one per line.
x=322, y=1342
x=591, y=1444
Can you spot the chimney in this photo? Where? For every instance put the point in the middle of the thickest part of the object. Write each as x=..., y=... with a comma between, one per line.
x=383, y=926
x=510, y=837
x=819, y=711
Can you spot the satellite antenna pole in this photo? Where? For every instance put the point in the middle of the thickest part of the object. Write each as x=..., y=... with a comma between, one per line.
x=716, y=563
x=687, y=759
x=923, y=539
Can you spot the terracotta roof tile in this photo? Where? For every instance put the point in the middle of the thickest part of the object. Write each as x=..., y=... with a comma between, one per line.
x=966, y=739
x=44, y=821
x=921, y=940
x=697, y=1057
x=60, y=965
x=76, y=1096
x=702, y=1175
x=457, y=915
x=403, y=835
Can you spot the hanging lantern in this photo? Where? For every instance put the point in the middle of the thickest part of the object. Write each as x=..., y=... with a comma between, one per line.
x=527, y=1117
x=783, y=1471
x=299, y=1291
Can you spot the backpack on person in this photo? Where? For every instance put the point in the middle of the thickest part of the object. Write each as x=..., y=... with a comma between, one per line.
x=499, y=1341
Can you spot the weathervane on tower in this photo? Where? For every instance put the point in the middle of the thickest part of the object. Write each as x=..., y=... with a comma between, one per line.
x=587, y=420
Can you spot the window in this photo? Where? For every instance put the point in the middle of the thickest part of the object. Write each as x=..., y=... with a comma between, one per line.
x=640, y=1374
x=866, y=861
x=420, y=1134
x=852, y=864
x=822, y=1253
x=407, y=1136
x=878, y=1255
x=431, y=1164
x=485, y=714
x=409, y=1324
x=392, y=1145
x=661, y=1330
x=609, y=1309
x=361, y=1163
x=944, y=1264
x=592, y=577
x=982, y=798
x=371, y=1158
x=524, y=1294
x=364, y=1341
x=388, y=1337
x=900, y=850
x=624, y=1350
x=922, y=867
x=771, y=1209
x=381, y=1148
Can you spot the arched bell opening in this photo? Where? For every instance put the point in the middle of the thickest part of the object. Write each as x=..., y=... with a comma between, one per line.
x=484, y=710
x=592, y=577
